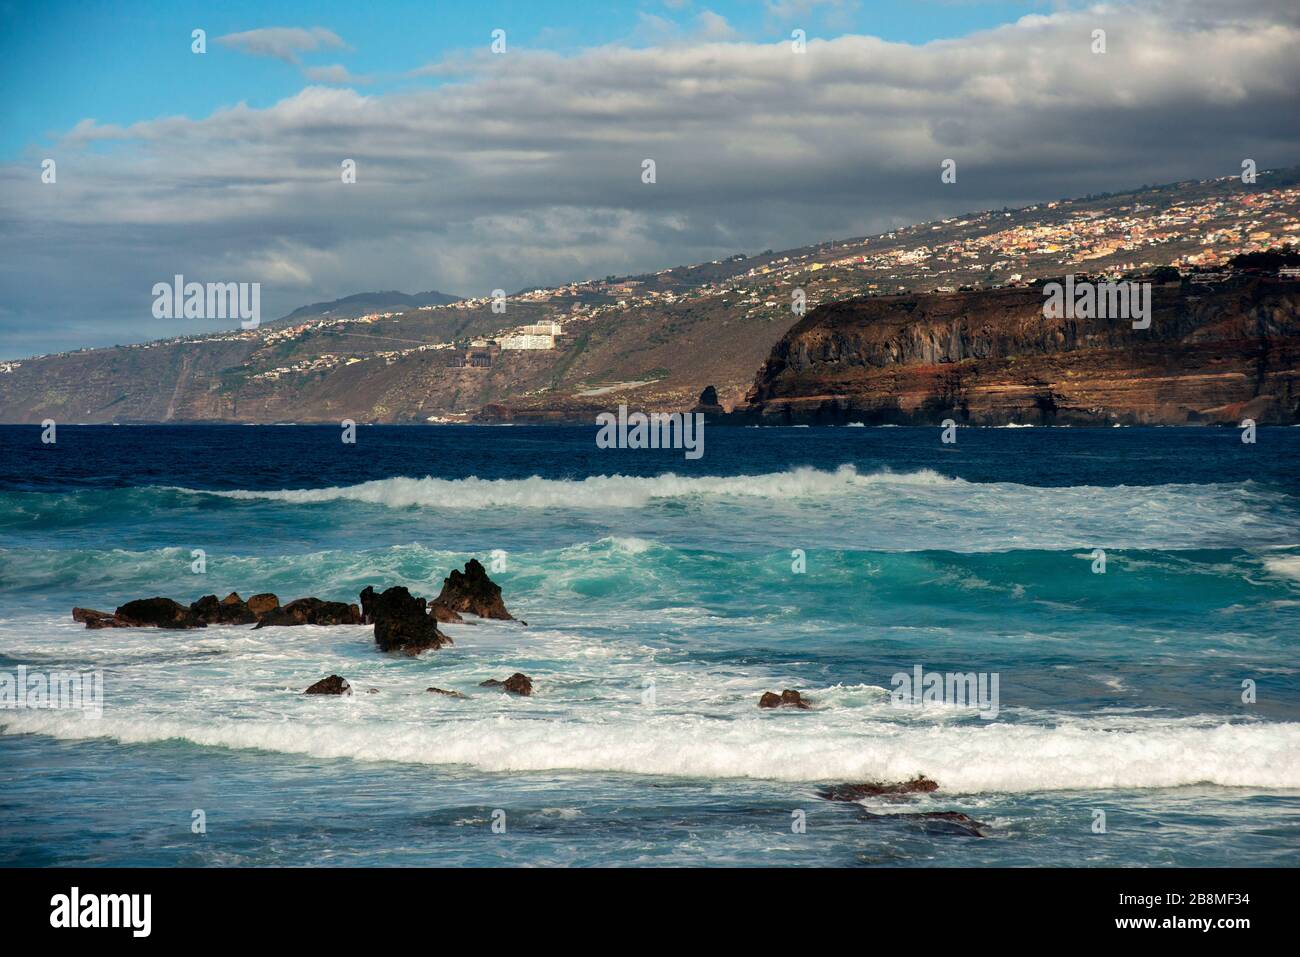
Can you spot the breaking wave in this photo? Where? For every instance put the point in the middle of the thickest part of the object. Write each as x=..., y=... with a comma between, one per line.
x=1083, y=754
x=600, y=491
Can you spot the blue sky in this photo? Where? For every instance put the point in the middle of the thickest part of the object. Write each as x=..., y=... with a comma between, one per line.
x=69, y=60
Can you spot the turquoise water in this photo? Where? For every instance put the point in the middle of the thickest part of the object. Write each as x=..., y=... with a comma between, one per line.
x=663, y=597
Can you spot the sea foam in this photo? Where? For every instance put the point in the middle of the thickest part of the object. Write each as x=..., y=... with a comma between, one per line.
x=1081, y=754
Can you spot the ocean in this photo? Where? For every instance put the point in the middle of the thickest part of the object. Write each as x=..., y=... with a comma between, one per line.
x=1147, y=710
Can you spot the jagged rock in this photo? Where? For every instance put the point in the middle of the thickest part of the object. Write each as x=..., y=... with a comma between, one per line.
x=311, y=611
x=265, y=609
x=207, y=609
x=443, y=613
x=259, y=605
x=367, y=599
x=235, y=611
x=331, y=685
x=472, y=591
x=402, y=621
x=518, y=683
x=157, y=612
x=369, y=596
x=856, y=792
x=708, y=403
x=97, y=619
x=786, y=699
x=230, y=610
x=449, y=694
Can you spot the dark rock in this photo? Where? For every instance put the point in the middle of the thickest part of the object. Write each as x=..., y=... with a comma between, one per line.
x=207, y=609
x=231, y=610
x=708, y=403
x=942, y=822
x=449, y=694
x=402, y=621
x=368, y=597
x=856, y=792
x=311, y=611
x=472, y=591
x=443, y=613
x=331, y=685
x=786, y=699
x=235, y=611
x=97, y=619
x=259, y=605
x=518, y=683
x=157, y=612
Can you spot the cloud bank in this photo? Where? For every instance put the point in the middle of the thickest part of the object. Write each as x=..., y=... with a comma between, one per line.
x=524, y=168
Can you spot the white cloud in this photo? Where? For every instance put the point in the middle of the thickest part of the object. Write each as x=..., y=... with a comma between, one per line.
x=283, y=43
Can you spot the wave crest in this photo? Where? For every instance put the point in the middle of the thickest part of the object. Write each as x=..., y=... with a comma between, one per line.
x=599, y=491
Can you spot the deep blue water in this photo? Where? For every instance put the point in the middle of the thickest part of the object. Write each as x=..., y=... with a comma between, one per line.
x=663, y=595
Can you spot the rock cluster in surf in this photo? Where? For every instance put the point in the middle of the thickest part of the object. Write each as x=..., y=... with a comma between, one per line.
x=260, y=611
x=402, y=621
x=786, y=699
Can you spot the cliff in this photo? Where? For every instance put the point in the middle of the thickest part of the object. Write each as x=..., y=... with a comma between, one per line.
x=1213, y=354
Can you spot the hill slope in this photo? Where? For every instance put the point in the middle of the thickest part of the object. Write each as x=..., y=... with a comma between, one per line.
x=364, y=303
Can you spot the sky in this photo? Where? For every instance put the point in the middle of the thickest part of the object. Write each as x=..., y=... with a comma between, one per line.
x=478, y=170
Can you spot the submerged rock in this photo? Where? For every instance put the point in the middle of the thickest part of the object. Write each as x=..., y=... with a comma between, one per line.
x=449, y=694
x=518, y=683
x=942, y=822
x=856, y=792
x=331, y=685
x=402, y=622
x=472, y=591
x=157, y=612
x=311, y=611
x=786, y=699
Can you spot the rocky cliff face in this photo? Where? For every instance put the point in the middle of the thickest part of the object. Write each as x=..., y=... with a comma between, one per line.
x=1213, y=354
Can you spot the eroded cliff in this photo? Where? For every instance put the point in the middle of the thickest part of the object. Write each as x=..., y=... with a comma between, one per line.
x=1213, y=354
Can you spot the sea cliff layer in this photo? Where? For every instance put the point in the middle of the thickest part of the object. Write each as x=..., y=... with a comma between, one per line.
x=1213, y=354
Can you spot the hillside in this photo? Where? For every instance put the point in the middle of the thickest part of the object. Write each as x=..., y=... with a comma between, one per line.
x=651, y=340
x=364, y=303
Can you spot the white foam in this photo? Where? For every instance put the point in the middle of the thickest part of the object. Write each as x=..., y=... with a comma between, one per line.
x=1002, y=757
x=600, y=491
x=1287, y=566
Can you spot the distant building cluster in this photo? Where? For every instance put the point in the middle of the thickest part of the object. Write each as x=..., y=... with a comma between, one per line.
x=540, y=335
